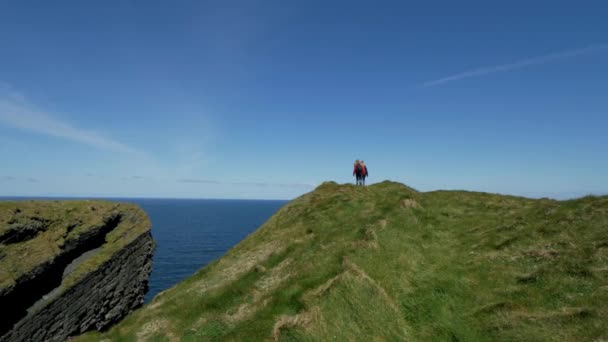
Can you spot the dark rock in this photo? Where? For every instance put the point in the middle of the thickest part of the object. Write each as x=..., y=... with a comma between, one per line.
x=41, y=306
x=19, y=232
x=85, y=306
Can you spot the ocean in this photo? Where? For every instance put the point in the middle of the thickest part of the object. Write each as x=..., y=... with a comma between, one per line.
x=190, y=233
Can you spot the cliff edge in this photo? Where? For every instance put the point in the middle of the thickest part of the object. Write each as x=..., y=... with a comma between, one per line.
x=388, y=263
x=70, y=266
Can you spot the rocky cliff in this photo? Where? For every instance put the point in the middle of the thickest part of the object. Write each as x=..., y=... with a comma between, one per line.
x=70, y=266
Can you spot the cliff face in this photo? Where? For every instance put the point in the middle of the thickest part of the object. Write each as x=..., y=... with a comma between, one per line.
x=70, y=266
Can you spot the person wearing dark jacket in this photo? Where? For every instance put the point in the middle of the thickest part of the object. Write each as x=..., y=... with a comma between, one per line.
x=364, y=172
x=358, y=172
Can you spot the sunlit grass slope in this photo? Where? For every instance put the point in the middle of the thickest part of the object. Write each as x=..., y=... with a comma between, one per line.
x=387, y=263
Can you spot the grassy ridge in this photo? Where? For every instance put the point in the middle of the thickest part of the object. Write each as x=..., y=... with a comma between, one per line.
x=385, y=262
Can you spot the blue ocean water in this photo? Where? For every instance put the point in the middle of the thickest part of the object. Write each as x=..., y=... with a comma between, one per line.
x=191, y=233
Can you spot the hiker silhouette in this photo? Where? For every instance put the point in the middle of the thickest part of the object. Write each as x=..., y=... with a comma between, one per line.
x=360, y=172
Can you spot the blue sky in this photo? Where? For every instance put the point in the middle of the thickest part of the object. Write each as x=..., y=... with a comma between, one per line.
x=267, y=99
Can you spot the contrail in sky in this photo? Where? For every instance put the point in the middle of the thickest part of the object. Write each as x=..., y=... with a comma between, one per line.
x=517, y=65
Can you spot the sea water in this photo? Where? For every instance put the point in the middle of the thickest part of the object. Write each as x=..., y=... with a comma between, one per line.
x=191, y=233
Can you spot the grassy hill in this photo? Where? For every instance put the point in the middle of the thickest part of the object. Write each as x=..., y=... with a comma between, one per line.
x=386, y=263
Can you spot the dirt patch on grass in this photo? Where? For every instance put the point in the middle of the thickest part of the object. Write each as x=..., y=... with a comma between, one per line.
x=302, y=321
x=600, y=270
x=265, y=285
x=228, y=269
x=563, y=314
x=409, y=203
x=246, y=311
x=351, y=266
x=382, y=224
x=543, y=253
x=310, y=234
x=321, y=290
x=505, y=242
x=370, y=237
x=154, y=328
x=528, y=278
x=276, y=276
x=496, y=308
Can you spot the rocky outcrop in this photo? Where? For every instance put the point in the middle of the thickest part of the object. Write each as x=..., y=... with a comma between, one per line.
x=84, y=268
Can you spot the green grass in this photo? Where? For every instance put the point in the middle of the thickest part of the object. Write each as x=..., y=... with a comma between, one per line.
x=386, y=263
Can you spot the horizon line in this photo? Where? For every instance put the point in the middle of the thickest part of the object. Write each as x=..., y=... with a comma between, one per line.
x=79, y=197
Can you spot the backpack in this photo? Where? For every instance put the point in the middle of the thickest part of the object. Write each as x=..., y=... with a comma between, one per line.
x=359, y=169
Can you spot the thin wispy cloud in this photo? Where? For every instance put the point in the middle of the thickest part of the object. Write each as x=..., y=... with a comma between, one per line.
x=274, y=185
x=517, y=65
x=197, y=181
x=133, y=178
x=16, y=112
x=12, y=179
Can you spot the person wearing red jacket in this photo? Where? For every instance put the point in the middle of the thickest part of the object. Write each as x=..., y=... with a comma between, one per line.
x=359, y=171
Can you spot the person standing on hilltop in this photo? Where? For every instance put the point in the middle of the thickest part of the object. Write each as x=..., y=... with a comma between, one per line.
x=358, y=172
x=363, y=172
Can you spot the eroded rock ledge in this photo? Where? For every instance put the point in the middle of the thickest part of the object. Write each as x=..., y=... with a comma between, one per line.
x=70, y=266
